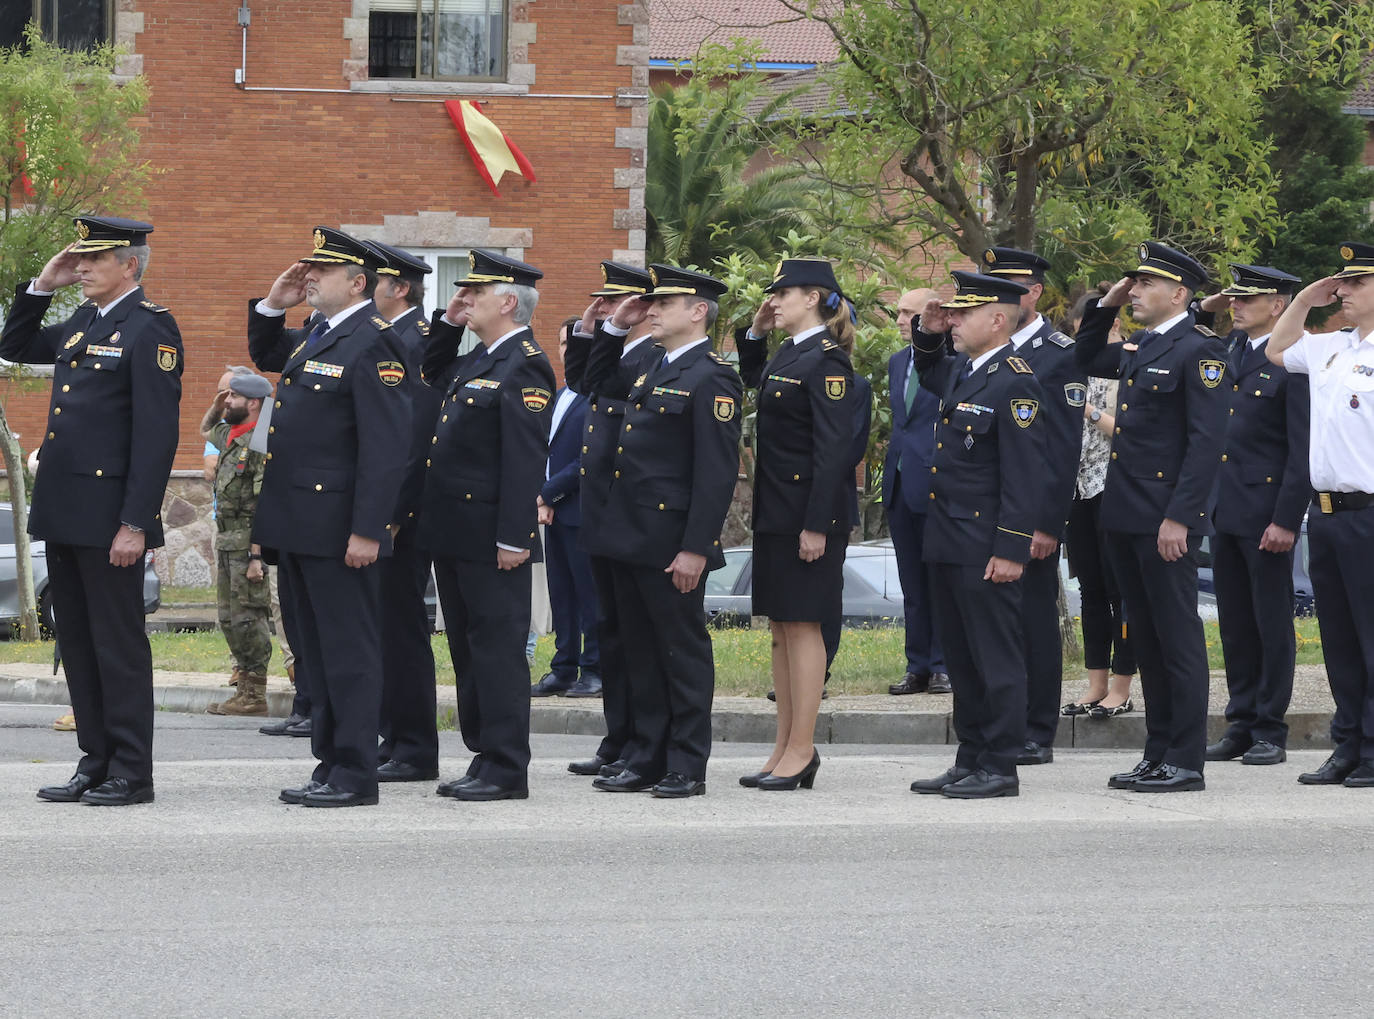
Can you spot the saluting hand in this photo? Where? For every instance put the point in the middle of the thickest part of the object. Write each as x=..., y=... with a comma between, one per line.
x=933, y=318
x=1118, y=295
x=1317, y=294
x=289, y=288
x=457, y=310
x=765, y=318
x=1215, y=302
x=59, y=272
x=630, y=312
x=686, y=569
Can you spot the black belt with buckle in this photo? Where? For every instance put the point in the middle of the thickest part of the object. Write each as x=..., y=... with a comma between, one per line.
x=1334, y=502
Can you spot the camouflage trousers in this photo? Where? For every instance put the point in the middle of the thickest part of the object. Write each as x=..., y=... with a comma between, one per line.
x=244, y=611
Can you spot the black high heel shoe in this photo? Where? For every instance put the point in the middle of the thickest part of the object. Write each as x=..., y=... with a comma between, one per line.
x=752, y=781
x=806, y=778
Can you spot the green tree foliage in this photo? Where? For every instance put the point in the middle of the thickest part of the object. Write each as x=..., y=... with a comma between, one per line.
x=971, y=125
x=68, y=145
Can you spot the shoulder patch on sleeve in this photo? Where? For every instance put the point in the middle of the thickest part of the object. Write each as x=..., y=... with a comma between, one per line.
x=151, y=306
x=534, y=398
x=530, y=349
x=380, y=322
x=166, y=356
x=1060, y=340
x=1019, y=366
x=392, y=373
x=1205, y=331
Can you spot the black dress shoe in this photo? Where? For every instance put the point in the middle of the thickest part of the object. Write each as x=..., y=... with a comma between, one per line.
x=327, y=796
x=1228, y=748
x=752, y=781
x=302, y=728
x=1362, y=777
x=614, y=768
x=939, y=683
x=479, y=791
x=934, y=785
x=586, y=686
x=1264, y=752
x=804, y=779
x=297, y=795
x=625, y=782
x=449, y=788
x=279, y=728
x=592, y=767
x=982, y=785
x=118, y=792
x=550, y=685
x=1170, y=778
x=1332, y=772
x=71, y=792
x=1128, y=779
x=1034, y=753
x=912, y=682
x=677, y=786
x=399, y=771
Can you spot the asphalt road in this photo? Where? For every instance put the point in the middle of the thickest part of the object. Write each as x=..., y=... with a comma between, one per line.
x=856, y=899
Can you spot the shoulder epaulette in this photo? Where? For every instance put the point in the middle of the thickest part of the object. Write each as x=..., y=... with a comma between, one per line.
x=151, y=306
x=85, y=304
x=1205, y=331
x=718, y=359
x=423, y=326
x=1019, y=366
x=1059, y=339
x=380, y=322
x=828, y=344
x=530, y=349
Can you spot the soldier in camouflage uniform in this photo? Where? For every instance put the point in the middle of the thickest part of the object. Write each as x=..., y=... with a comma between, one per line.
x=243, y=592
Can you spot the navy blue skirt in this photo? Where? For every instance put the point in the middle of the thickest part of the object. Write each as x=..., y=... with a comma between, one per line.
x=787, y=590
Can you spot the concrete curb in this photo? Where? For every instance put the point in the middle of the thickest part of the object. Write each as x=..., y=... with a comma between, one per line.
x=1307, y=730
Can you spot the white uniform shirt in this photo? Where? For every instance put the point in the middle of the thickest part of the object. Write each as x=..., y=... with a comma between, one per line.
x=1340, y=370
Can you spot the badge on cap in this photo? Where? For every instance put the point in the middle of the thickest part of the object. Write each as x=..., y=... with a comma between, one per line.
x=724, y=408
x=392, y=373
x=166, y=357
x=320, y=238
x=83, y=231
x=1347, y=252
x=1144, y=252
x=1211, y=372
x=1023, y=411
x=990, y=257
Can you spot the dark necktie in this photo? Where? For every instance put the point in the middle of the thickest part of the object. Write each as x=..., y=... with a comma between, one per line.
x=968, y=371
x=313, y=340
x=1145, y=337
x=1236, y=355
x=912, y=384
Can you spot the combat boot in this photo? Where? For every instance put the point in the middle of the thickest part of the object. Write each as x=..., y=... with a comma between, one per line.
x=227, y=707
x=253, y=697
x=235, y=676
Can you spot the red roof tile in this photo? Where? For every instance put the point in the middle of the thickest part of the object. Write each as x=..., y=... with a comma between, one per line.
x=677, y=28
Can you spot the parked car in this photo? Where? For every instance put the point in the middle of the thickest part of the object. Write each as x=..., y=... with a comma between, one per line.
x=9, y=580
x=1304, y=604
x=872, y=594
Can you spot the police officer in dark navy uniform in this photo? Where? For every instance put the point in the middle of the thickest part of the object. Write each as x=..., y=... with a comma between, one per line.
x=1339, y=366
x=984, y=500
x=338, y=434
x=97, y=501
x=478, y=516
x=621, y=360
x=1262, y=497
x=1050, y=355
x=1157, y=506
x=409, y=751
x=673, y=477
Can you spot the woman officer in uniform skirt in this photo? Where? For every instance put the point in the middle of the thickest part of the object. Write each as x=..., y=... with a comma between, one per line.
x=801, y=507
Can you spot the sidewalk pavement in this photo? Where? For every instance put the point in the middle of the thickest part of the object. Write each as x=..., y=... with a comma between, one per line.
x=916, y=719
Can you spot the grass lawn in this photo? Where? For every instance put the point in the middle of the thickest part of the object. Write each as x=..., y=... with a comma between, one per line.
x=868, y=660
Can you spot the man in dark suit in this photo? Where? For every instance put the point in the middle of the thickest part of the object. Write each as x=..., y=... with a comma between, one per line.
x=989, y=459
x=408, y=724
x=338, y=435
x=576, y=666
x=1263, y=494
x=1050, y=355
x=624, y=360
x=479, y=512
x=906, y=494
x=97, y=501
x=1157, y=506
x=673, y=478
